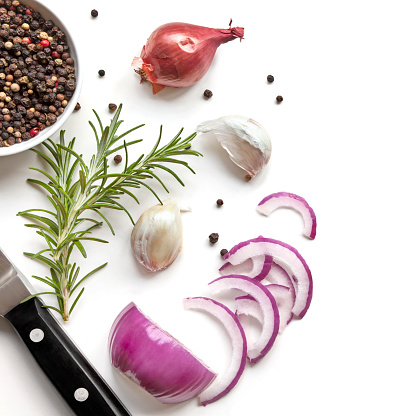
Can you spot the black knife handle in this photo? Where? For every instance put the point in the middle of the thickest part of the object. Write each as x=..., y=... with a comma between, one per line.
x=71, y=373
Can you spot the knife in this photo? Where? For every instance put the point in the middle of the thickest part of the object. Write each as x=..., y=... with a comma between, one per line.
x=82, y=387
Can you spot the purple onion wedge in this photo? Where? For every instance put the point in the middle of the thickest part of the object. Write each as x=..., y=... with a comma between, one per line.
x=285, y=256
x=153, y=359
x=268, y=306
x=224, y=383
x=284, y=199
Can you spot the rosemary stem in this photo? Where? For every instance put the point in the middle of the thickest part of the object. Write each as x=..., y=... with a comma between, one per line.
x=66, y=304
x=80, y=187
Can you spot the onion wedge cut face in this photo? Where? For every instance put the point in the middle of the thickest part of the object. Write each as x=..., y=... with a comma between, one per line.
x=285, y=256
x=287, y=200
x=154, y=360
x=223, y=384
x=285, y=300
x=268, y=307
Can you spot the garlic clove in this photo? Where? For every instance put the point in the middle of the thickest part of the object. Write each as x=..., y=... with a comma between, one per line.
x=157, y=236
x=247, y=143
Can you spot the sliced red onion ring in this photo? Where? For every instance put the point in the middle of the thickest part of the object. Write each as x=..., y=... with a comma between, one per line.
x=285, y=300
x=223, y=384
x=255, y=267
x=285, y=256
x=155, y=360
x=267, y=304
x=284, y=199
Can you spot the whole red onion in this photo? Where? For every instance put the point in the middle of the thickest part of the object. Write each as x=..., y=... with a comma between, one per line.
x=179, y=54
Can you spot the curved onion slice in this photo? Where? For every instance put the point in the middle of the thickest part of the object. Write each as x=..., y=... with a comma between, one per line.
x=256, y=267
x=285, y=256
x=284, y=199
x=285, y=300
x=155, y=360
x=222, y=385
x=267, y=304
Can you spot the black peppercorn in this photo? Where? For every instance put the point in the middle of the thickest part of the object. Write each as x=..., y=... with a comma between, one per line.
x=77, y=107
x=94, y=13
x=36, y=15
x=48, y=24
x=207, y=93
x=220, y=202
x=70, y=85
x=34, y=25
x=213, y=238
x=117, y=159
x=29, y=72
x=270, y=78
x=26, y=102
x=50, y=119
x=101, y=72
x=279, y=99
x=223, y=252
x=112, y=107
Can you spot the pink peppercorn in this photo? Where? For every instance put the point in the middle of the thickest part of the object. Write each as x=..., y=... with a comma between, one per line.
x=29, y=12
x=34, y=132
x=44, y=43
x=27, y=40
x=56, y=55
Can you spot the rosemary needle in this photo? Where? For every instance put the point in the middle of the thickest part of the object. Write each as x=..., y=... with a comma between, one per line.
x=75, y=189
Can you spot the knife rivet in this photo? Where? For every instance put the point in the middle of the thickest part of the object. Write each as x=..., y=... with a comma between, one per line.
x=81, y=394
x=36, y=335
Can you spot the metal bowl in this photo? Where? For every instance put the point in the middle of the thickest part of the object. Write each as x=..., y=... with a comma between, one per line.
x=48, y=14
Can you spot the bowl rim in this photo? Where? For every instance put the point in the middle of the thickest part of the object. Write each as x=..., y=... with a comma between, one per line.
x=50, y=130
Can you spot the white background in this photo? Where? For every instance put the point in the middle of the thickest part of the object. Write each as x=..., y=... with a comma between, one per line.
x=342, y=139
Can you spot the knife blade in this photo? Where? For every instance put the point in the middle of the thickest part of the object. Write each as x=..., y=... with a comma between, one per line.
x=74, y=377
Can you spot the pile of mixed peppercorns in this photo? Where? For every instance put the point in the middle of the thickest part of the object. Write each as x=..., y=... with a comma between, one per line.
x=37, y=73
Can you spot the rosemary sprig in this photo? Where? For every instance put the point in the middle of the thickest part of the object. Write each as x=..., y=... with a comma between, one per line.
x=74, y=187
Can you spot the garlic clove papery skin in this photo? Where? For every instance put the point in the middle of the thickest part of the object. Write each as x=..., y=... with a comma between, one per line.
x=247, y=142
x=157, y=236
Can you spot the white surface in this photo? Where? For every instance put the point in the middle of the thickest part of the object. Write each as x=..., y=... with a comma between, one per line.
x=342, y=140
